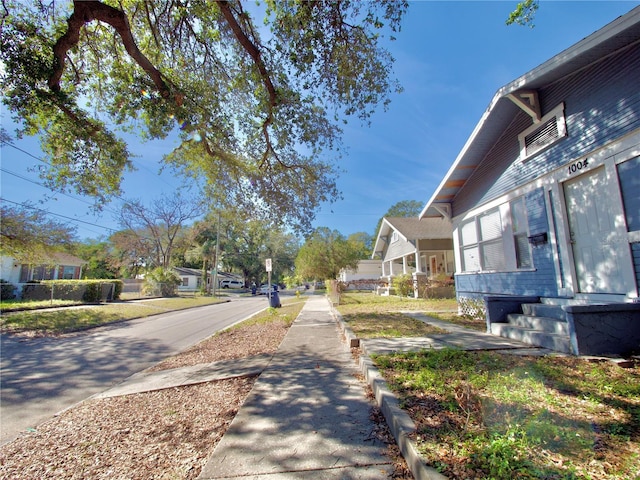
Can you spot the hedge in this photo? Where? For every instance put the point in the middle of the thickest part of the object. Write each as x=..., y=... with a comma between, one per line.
x=90, y=291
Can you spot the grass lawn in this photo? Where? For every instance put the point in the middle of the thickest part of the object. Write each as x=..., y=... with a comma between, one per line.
x=486, y=415
x=69, y=319
x=492, y=415
x=371, y=315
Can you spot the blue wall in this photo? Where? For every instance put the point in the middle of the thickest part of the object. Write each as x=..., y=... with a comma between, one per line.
x=602, y=103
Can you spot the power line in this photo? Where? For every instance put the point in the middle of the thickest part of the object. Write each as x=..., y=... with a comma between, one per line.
x=142, y=167
x=54, y=191
x=24, y=205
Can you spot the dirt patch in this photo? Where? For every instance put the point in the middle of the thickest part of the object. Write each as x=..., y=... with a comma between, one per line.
x=166, y=434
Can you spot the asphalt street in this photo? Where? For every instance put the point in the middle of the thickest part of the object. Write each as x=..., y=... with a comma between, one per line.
x=40, y=377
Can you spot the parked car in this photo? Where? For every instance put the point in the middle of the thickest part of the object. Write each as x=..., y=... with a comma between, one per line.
x=264, y=288
x=227, y=283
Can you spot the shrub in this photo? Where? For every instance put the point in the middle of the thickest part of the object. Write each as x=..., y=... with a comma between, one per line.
x=403, y=284
x=7, y=290
x=90, y=291
x=161, y=282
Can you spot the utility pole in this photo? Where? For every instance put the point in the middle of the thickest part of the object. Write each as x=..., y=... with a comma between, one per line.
x=215, y=269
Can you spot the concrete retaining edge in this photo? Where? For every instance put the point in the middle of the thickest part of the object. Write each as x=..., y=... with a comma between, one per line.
x=399, y=422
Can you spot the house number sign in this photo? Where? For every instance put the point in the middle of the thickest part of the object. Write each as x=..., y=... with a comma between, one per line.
x=577, y=166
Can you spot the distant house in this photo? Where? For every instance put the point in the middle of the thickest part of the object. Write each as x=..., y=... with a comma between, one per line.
x=61, y=266
x=365, y=277
x=191, y=278
x=421, y=248
x=544, y=199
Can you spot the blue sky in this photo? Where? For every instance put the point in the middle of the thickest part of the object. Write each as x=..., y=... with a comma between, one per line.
x=451, y=58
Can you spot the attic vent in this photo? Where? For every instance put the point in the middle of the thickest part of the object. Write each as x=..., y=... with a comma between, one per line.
x=543, y=134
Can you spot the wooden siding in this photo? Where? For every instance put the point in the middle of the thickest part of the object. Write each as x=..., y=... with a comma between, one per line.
x=602, y=103
x=398, y=249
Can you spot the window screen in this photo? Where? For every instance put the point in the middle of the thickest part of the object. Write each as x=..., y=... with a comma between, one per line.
x=468, y=233
x=490, y=226
x=471, y=259
x=520, y=228
x=493, y=255
x=629, y=174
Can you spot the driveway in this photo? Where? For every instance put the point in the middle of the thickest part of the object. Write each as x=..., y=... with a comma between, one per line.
x=42, y=376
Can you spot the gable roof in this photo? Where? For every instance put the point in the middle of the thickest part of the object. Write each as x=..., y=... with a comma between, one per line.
x=621, y=33
x=188, y=271
x=66, y=259
x=412, y=228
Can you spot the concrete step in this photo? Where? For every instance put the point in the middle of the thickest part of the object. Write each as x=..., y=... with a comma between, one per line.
x=552, y=341
x=544, y=310
x=543, y=324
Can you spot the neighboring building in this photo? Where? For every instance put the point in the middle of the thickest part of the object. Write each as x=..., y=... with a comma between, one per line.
x=422, y=248
x=62, y=266
x=365, y=277
x=544, y=199
x=191, y=278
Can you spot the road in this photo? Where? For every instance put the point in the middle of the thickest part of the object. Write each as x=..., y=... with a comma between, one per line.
x=42, y=376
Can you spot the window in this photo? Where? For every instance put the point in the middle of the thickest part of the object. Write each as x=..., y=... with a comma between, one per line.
x=185, y=281
x=629, y=175
x=520, y=229
x=394, y=236
x=491, y=241
x=550, y=129
x=496, y=240
x=68, y=273
x=469, y=241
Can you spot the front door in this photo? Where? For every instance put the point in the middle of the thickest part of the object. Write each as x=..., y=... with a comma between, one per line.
x=434, y=265
x=597, y=234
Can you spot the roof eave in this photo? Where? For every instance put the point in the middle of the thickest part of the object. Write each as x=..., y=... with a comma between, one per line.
x=558, y=66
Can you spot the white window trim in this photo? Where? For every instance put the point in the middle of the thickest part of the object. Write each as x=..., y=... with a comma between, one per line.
x=508, y=244
x=558, y=114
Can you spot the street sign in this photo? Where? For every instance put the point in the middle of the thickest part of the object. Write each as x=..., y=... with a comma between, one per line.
x=268, y=264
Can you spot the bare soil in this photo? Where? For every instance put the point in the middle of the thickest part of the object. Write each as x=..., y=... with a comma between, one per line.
x=165, y=434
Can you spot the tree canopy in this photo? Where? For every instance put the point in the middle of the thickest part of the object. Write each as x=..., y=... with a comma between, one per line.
x=257, y=108
x=28, y=235
x=325, y=253
x=159, y=226
x=404, y=209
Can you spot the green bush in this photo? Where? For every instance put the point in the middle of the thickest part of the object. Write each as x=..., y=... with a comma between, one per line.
x=90, y=291
x=161, y=282
x=7, y=290
x=403, y=284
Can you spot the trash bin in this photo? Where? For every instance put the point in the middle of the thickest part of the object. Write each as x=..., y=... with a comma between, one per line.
x=253, y=289
x=274, y=299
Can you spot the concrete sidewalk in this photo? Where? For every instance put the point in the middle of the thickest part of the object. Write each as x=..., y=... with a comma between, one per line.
x=307, y=415
x=207, y=372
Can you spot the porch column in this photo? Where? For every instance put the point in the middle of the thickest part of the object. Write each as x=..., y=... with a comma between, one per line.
x=418, y=262
x=419, y=279
x=404, y=265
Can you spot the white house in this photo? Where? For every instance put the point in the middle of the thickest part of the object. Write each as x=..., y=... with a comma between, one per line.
x=365, y=277
x=61, y=266
x=421, y=248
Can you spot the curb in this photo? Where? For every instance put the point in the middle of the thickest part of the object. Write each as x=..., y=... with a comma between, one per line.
x=399, y=422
